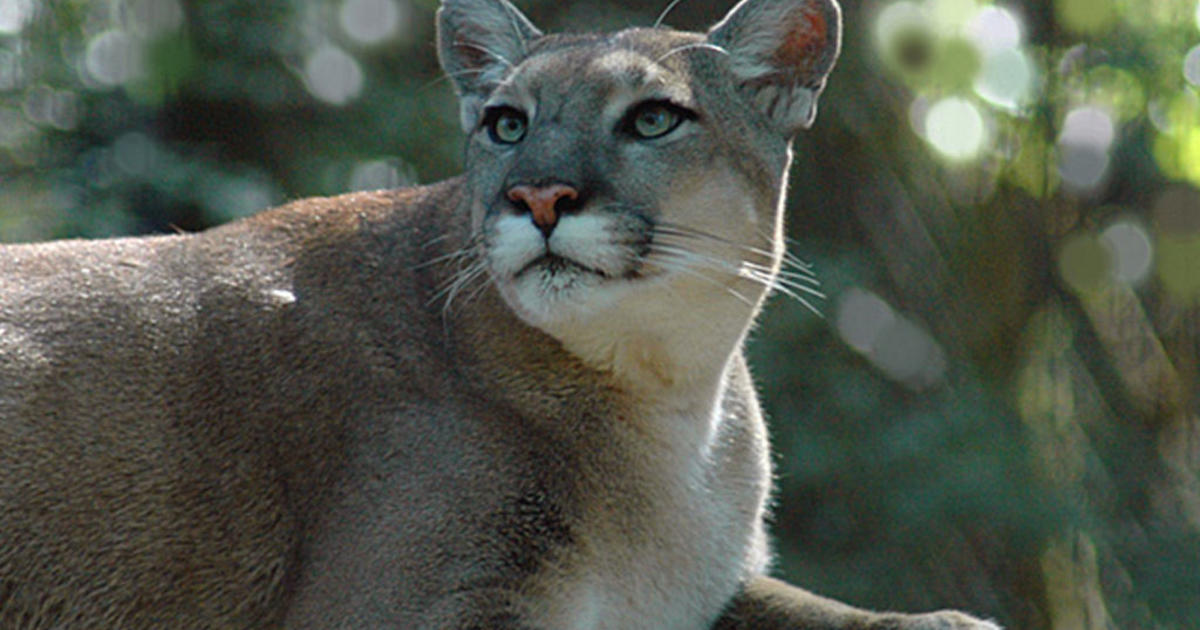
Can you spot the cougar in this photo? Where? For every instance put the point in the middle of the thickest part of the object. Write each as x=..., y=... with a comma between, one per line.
x=515, y=399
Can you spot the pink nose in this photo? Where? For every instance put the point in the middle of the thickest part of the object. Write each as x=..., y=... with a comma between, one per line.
x=541, y=201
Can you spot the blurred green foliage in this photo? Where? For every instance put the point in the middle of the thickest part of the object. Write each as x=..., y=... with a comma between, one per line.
x=999, y=409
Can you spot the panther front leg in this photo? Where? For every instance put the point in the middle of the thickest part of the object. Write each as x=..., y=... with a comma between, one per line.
x=769, y=604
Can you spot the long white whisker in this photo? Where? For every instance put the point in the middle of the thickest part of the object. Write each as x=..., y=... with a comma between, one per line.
x=681, y=261
x=793, y=268
x=461, y=281
x=687, y=255
x=791, y=290
x=791, y=276
x=800, y=277
x=454, y=255
x=669, y=233
x=803, y=288
x=435, y=240
x=792, y=260
x=477, y=291
x=669, y=229
x=750, y=271
x=470, y=266
x=808, y=305
x=662, y=16
x=680, y=267
x=697, y=45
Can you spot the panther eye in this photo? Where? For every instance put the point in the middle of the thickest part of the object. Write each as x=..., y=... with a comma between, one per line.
x=654, y=119
x=505, y=125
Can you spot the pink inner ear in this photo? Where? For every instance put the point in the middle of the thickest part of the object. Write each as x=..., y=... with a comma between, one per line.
x=803, y=40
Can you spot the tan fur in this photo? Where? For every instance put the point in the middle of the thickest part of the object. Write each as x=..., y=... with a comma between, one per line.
x=394, y=410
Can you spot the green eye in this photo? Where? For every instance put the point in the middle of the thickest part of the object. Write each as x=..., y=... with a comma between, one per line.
x=505, y=125
x=655, y=119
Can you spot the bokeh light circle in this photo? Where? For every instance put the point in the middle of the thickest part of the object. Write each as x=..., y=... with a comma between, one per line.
x=898, y=347
x=1083, y=146
x=1191, y=66
x=113, y=57
x=14, y=15
x=994, y=28
x=1006, y=79
x=333, y=75
x=955, y=127
x=1131, y=250
x=371, y=21
x=861, y=318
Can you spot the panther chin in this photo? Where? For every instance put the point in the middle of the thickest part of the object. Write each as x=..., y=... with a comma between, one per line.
x=553, y=289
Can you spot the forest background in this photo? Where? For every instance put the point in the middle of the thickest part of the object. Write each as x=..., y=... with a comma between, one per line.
x=998, y=407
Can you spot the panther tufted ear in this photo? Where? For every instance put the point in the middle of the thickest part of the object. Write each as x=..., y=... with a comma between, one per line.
x=780, y=52
x=478, y=42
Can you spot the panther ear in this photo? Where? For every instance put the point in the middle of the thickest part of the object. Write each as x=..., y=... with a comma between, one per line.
x=780, y=52
x=478, y=42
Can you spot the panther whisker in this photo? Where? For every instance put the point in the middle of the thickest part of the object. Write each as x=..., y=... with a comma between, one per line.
x=802, y=288
x=774, y=283
x=675, y=229
x=470, y=266
x=791, y=266
x=693, y=256
x=457, y=254
x=810, y=281
x=697, y=45
x=795, y=261
x=676, y=262
x=662, y=16
x=435, y=240
x=458, y=282
x=477, y=291
x=792, y=276
x=792, y=259
x=751, y=271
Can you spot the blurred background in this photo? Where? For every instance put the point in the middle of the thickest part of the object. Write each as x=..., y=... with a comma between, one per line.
x=998, y=408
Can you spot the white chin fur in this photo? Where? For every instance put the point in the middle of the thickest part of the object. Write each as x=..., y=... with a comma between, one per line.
x=550, y=300
x=545, y=298
x=660, y=332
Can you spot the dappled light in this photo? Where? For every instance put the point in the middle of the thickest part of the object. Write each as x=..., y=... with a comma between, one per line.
x=1084, y=147
x=899, y=348
x=1131, y=251
x=14, y=14
x=956, y=128
x=373, y=21
x=332, y=75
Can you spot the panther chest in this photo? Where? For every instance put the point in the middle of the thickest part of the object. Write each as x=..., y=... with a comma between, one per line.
x=670, y=554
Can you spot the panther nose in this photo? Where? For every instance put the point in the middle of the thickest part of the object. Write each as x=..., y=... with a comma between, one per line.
x=544, y=203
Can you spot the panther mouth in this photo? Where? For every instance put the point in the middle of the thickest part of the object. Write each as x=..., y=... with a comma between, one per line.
x=554, y=264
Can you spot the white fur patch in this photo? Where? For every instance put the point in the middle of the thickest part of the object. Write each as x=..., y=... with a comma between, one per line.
x=515, y=243
x=544, y=296
x=586, y=239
